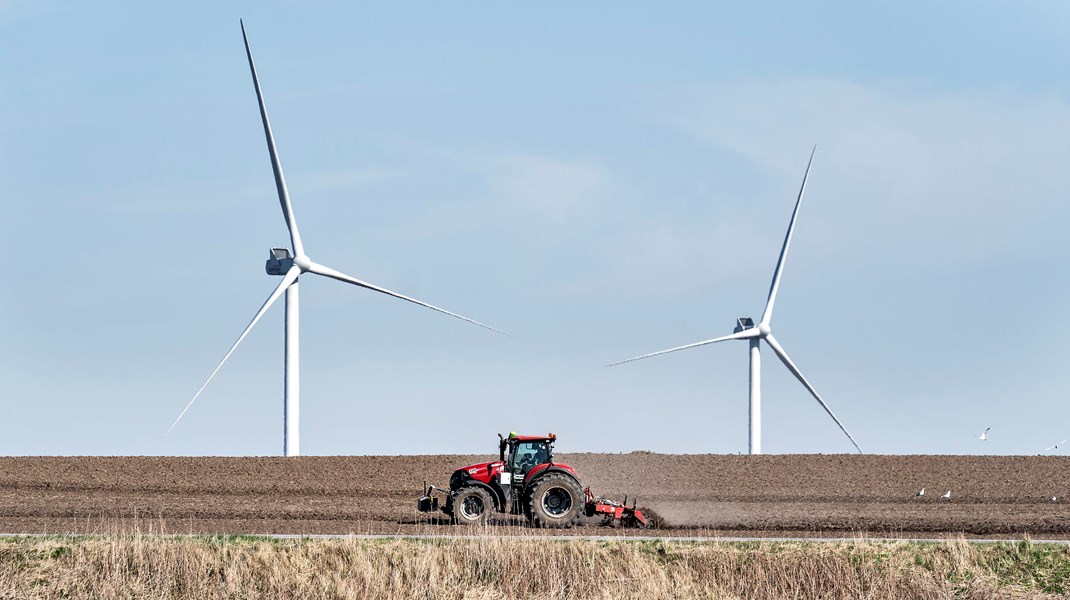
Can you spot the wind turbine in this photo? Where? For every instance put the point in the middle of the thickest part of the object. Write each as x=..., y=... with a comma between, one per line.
x=290, y=267
x=754, y=334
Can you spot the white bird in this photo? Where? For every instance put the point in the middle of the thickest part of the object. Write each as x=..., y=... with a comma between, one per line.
x=947, y=495
x=984, y=434
x=920, y=493
x=1054, y=499
x=1055, y=447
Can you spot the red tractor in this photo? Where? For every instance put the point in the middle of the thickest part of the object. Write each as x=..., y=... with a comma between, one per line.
x=525, y=480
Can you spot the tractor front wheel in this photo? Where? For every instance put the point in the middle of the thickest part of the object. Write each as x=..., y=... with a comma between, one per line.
x=554, y=501
x=472, y=506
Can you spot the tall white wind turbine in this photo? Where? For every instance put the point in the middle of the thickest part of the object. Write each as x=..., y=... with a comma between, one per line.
x=746, y=330
x=290, y=267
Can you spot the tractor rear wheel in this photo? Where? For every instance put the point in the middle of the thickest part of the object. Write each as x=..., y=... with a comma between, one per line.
x=554, y=501
x=472, y=506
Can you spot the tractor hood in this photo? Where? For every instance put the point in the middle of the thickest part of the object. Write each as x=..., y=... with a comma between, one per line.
x=483, y=472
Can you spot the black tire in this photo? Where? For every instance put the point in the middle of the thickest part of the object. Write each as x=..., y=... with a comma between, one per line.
x=472, y=505
x=554, y=501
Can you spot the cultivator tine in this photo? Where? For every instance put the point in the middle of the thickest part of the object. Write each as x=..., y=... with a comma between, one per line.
x=615, y=512
x=640, y=517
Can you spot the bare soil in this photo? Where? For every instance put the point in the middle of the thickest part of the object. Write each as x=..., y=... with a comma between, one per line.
x=729, y=495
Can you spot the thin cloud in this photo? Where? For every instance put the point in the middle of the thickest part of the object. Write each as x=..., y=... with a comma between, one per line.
x=551, y=188
x=324, y=181
x=963, y=174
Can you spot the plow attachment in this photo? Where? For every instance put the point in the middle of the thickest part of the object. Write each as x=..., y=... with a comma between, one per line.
x=614, y=512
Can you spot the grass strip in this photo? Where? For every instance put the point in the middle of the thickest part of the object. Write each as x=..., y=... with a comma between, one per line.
x=119, y=565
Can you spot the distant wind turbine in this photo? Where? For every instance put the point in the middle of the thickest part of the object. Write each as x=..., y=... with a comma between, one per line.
x=747, y=330
x=290, y=267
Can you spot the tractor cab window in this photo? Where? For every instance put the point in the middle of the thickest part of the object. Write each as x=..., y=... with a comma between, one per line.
x=526, y=455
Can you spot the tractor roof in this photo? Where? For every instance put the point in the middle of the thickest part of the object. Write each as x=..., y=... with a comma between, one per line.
x=533, y=438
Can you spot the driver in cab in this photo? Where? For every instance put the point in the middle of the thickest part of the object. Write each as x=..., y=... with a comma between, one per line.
x=531, y=458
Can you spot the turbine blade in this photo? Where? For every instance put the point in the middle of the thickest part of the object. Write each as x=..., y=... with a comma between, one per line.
x=779, y=350
x=276, y=166
x=767, y=315
x=290, y=277
x=319, y=269
x=742, y=335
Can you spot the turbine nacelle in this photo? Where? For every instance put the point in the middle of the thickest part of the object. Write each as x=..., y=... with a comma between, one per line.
x=279, y=261
x=743, y=324
x=746, y=324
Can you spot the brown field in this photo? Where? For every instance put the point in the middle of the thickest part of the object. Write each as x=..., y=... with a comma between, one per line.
x=729, y=495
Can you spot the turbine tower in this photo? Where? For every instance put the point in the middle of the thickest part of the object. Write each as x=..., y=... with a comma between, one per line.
x=291, y=266
x=754, y=334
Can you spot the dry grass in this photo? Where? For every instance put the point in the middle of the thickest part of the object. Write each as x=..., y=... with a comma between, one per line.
x=151, y=566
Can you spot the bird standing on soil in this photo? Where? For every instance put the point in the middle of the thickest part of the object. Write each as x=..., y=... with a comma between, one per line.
x=920, y=493
x=1054, y=499
x=947, y=495
x=984, y=434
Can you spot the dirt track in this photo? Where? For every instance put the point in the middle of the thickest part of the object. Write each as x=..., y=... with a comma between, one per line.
x=774, y=494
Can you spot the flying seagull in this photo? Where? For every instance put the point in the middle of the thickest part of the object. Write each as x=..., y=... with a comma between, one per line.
x=984, y=434
x=1055, y=447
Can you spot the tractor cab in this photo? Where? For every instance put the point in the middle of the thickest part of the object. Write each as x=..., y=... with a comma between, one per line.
x=521, y=453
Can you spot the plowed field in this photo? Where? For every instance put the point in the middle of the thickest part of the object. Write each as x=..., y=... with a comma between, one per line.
x=730, y=495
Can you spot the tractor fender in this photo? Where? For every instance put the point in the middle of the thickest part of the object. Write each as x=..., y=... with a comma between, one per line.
x=538, y=472
x=461, y=478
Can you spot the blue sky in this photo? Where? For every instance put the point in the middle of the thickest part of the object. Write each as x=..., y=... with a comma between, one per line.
x=601, y=181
